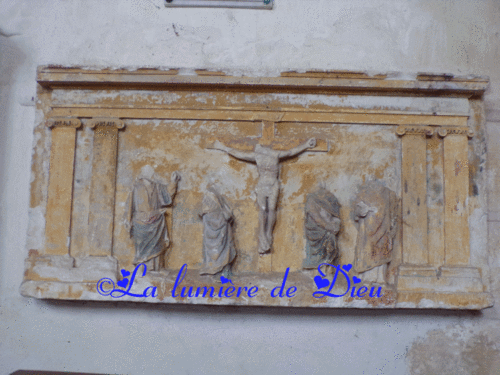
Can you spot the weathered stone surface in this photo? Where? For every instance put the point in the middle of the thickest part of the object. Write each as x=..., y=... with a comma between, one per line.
x=62, y=160
x=321, y=225
x=138, y=338
x=456, y=218
x=414, y=193
x=377, y=212
x=344, y=145
x=218, y=243
x=102, y=185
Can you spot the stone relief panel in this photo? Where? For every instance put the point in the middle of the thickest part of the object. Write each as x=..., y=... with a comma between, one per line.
x=277, y=193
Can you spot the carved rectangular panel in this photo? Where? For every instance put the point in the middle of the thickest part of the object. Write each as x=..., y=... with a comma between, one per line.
x=316, y=189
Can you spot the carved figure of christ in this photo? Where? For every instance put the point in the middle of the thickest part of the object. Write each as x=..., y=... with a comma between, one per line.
x=268, y=185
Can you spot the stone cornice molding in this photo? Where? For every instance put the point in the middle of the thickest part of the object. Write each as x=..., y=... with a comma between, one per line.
x=326, y=82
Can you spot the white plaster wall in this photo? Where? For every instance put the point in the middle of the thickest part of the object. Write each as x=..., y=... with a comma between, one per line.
x=460, y=37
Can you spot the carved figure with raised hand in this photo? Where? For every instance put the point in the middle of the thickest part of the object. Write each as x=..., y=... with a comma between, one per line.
x=268, y=185
x=377, y=215
x=145, y=216
x=218, y=245
x=322, y=225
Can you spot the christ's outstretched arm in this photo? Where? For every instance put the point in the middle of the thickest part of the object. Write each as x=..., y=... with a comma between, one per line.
x=311, y=143
x=243, y=155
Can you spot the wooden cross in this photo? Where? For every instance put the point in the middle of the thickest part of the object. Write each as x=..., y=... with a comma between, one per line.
x=269, y=139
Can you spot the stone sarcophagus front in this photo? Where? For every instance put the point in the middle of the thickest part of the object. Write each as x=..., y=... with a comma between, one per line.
x=317, y=189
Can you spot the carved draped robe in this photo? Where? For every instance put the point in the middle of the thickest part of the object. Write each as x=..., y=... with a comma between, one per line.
x=147, y=206
x=377, y=216
x=322, y=209
x=218, y=245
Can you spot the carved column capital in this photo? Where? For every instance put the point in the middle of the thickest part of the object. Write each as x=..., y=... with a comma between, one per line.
x=443, y=132
x=108, y=122
x=415, y=130
x=63, y=122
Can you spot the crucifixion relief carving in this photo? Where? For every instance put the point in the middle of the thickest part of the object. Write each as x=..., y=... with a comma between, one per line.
x=267, y=154
x=396, y=202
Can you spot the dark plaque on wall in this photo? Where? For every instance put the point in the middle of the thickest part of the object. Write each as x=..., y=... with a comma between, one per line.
x=247, y=4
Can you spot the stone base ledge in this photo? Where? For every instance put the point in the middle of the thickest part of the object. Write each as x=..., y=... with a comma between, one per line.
x=64, y=268
x=164, y=282
x=457, y=301
x=439, y=280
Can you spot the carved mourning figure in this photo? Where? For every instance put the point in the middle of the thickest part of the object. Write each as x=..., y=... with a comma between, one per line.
x=268, y=185
x=376, y=213
x=218, y=245
x=322, y=225
x=145, y=216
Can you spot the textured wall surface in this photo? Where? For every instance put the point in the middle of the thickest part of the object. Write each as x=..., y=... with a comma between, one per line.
x=461, y=37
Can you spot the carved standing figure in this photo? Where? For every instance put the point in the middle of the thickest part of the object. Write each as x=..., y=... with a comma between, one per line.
x=218, y=245
x=268, y=185
x=322, y=225
x=145, y=216
x=377, y=215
